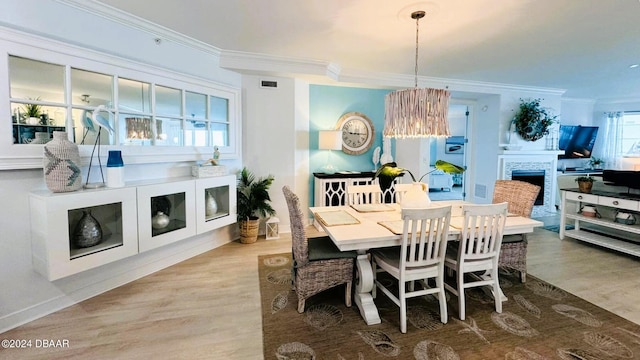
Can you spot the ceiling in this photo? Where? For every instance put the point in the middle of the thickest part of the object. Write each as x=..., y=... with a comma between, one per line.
x=583, y=46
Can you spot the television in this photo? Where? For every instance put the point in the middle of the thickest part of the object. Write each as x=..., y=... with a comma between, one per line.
x=577, y=141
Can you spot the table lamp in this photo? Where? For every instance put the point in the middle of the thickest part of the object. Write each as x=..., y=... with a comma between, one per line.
x=329, y=140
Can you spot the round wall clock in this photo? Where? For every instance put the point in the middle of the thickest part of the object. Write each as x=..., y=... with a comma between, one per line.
x=357, y=133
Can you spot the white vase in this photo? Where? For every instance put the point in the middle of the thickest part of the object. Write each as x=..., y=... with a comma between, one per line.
x=210, y=204
x=416, y=197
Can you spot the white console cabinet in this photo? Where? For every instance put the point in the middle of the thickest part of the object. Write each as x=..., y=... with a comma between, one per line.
x=54, y=218
x=125, y=216
x=603, y=230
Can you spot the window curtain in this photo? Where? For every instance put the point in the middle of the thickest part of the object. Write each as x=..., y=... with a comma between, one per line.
x=613, y=140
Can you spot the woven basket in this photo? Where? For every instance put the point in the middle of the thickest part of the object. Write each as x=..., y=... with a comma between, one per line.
x=585, y=186
x=249, y=231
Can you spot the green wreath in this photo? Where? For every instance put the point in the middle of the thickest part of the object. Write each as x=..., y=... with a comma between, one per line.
x=532, y=121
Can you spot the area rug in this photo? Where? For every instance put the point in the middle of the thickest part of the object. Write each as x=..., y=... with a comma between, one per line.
x=539, y=321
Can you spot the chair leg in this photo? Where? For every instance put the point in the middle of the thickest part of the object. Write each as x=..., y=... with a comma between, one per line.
x=496, y=290
x=461, y=304
x=523, y=276
x=403, y=308
x=300, y=306
x=442, y=299
x=347, y=294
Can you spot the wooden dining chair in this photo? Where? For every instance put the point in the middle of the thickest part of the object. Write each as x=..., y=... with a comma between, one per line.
x=477, y=251
x=318, y=264
x=419, y=258
x=400, y=190
x=364, y=194
x=520, y=197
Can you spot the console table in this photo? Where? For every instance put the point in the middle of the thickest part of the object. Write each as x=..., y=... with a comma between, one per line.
x=331, y=189
x=602, y=231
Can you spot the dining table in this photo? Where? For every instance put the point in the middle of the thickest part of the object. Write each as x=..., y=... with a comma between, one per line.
x=370, y=226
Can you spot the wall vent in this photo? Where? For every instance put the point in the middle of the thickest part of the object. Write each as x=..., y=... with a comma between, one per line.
x=268, y=84
x=481, y=191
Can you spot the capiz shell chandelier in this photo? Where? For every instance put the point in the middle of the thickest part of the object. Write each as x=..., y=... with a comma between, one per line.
x=416, y=113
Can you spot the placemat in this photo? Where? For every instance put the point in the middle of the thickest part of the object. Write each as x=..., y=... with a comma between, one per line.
x=395, y=226
x=337, y=217
x=371, y=207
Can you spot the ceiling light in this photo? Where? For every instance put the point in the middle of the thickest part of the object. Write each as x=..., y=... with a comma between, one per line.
x=416, y=113
x=633, y=66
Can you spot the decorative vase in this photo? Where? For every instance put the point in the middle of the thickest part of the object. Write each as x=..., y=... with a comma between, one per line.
x=416, y=197
x=386, y=151
x=115, y=169
x=88, y=231
x=160, y=220
x=62, y=164
x=210, y=204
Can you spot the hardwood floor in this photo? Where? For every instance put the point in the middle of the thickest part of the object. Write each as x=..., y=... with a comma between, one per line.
x=208, y=307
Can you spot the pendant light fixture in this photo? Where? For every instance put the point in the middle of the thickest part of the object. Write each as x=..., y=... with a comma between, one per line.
x=417, y=113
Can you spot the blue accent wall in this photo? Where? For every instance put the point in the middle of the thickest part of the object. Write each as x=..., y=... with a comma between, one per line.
x=326, y=105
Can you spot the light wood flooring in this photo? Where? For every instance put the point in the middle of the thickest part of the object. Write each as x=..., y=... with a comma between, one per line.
x=208, y=307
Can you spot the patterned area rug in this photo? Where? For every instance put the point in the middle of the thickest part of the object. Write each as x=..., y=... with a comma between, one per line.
x=539, y=321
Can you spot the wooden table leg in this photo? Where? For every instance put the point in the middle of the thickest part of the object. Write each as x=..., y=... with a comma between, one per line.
x=364, y=286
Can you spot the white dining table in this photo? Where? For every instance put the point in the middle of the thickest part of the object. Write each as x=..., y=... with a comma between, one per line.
x=380, y=225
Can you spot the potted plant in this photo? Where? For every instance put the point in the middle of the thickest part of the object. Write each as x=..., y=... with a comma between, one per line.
x=533, y=121
x=585, y=183
x=253, y=203
x=32, y=113
x=596, y=163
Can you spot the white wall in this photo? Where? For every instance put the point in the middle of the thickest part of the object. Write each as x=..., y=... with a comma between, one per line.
x=27, y=295
x=270, y=136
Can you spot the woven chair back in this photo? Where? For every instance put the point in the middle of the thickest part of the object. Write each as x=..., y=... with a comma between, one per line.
x=299, y=242
x=520, y=195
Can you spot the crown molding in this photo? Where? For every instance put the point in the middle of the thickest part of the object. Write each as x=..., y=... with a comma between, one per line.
x=116, y=15
x=265, y=64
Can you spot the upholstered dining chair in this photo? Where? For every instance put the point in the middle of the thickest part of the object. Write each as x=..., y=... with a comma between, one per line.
x=521, y=196
x=477, y=251
x=364, y=194
x=419, y=258
x=318, y=264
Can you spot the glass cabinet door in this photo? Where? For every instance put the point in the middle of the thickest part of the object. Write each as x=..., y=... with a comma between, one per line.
x=166, y=213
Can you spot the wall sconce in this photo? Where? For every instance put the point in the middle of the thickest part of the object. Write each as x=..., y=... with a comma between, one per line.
x=329, y=140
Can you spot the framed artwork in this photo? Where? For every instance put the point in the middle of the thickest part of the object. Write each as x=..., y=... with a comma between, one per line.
x=454, y=145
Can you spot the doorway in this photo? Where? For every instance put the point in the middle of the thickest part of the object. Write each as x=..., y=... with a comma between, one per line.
x=453, y=150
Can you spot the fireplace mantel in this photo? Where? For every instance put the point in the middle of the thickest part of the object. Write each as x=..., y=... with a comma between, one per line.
x=546, y=160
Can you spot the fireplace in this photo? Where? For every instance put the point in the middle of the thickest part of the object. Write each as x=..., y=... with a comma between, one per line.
x=535, y=177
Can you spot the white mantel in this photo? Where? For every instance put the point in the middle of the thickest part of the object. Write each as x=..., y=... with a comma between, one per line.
x=547, y=160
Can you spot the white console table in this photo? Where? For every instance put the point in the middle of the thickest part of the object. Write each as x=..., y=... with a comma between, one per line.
x=602, y=231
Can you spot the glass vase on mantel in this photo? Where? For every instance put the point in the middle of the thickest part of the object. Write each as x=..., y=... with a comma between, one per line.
x=62, y=164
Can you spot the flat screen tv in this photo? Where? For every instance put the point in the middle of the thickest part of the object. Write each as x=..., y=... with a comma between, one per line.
x=577, y=141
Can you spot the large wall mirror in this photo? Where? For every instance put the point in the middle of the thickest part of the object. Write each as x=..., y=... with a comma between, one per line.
x=47, y=97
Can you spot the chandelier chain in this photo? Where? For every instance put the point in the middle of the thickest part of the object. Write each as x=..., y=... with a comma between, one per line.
x=416, y=67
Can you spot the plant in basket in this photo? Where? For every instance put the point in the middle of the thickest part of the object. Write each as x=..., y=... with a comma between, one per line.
x=253, y=203
x=585, y=183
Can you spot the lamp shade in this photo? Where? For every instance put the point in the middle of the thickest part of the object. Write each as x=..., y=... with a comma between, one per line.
x=330, y=140
x=415, y=113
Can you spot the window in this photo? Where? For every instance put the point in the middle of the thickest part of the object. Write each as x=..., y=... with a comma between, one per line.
x=147, y=107
x=631, y=133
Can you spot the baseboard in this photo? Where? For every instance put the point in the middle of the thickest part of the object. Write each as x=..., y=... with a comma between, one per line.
x=139, y=270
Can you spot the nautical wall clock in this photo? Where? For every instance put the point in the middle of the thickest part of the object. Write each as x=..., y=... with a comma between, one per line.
x=357, y=133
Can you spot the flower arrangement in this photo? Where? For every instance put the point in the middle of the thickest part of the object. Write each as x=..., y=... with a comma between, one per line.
x=533, y=121
x=585, y=179
x=595, y=162
x=389, y=171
